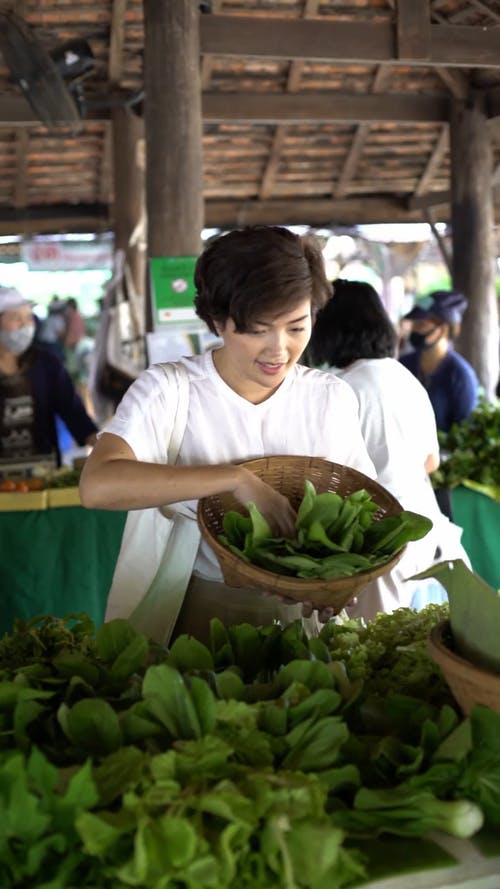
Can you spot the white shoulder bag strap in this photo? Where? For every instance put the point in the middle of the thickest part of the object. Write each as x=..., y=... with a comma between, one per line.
x=168, y=537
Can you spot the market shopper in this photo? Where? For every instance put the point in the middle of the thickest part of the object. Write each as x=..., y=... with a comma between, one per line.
x=259, y=289
x=354, y=338
x=51, y=331
x=34, y=388
x=450, y=380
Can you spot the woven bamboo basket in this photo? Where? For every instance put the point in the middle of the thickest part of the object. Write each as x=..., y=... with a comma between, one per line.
x=287, y=475
x=469, y=684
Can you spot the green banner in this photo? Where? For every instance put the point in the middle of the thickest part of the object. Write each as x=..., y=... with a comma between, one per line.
x=172, y=289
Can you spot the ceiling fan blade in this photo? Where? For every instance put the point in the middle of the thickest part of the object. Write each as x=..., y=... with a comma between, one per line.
x=36, y=73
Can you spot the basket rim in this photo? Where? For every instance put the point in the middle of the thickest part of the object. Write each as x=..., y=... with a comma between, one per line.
x=311, y=461
x=299, y=585
x=447, y=657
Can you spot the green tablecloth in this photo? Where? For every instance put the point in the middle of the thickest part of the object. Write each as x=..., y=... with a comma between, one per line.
x=55, y=561
x=479, y=516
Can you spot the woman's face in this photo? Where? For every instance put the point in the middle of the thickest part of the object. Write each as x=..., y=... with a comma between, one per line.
x=255, y=363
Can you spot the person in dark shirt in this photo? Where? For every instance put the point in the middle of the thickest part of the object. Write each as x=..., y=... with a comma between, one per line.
x=451, y=382
x=34, y=388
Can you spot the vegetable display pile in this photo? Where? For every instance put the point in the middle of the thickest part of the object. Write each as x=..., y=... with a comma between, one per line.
x=55, y=478
x=335, y=536
x=471, y=450
x=264, y=761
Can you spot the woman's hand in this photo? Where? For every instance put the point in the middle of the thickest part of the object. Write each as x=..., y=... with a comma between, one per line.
x=324, y=614
x=276, y=508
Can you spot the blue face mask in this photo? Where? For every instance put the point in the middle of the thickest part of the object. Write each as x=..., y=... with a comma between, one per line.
x=17, y=341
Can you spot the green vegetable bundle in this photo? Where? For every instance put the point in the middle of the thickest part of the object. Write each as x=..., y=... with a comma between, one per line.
x=266, y=760
x=471, y=452
x=335, y=536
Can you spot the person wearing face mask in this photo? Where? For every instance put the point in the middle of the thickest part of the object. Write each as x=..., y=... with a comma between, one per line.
x=451, y=382
x=34, y=388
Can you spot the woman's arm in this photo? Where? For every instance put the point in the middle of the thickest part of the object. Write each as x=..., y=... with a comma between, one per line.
x=113, y=478
x=432, y=462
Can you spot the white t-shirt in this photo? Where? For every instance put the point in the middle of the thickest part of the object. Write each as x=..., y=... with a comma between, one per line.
x=399, y=428
x=311, y=414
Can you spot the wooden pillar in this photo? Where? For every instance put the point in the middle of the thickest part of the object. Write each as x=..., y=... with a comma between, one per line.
x=473, y=237
x=174, y=167
x=128, y=187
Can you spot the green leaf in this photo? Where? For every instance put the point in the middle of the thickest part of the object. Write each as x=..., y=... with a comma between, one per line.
x=92, y=725
x=474, y=612
x=260, y=527
x=204, y=703
x=313, y=674
x=167, y=698
x=229, y=685
x=306, y=504
x=97, y=835
x=117, y=773
x=187, y=654
x=81, y=792
x=112, y=638
x=131, y=659
x=236, y=527
x=42, y=772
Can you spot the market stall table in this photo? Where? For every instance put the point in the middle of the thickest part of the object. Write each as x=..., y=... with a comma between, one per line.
x=56, y=561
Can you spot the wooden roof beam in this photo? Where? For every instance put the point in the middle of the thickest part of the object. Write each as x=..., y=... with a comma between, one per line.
x=309, y=211
x=53, y=219
x=310, y=107
x=333, y=41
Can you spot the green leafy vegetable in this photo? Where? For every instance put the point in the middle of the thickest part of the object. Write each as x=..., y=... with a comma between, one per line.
x=471, y=451
x=335, y=536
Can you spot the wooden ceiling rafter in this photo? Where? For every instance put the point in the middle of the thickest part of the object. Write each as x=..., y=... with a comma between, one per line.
x=495, y=16
x=435, y=159
x=117, y=41
x=340, y=188
x=295, y=69
x=207, y=61
x=22, y=140
x=105, y=174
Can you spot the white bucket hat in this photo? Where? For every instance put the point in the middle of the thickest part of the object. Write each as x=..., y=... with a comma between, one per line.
x=11, y=298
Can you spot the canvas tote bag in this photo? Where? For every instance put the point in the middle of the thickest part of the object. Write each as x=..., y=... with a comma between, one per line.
x=158, y=547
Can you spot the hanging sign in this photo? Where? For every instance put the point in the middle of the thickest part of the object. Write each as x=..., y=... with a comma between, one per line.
x=57, y=256
x=172, y=289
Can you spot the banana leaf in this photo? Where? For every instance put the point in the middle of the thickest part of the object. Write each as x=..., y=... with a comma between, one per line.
x=474, y=612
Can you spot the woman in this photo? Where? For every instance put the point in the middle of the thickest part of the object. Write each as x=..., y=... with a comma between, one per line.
x=34, y=388
x=354, y=337
x=449, y=379
x=258, y=289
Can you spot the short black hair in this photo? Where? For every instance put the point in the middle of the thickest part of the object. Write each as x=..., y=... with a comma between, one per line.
x=354, y=324
x=255, y=270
